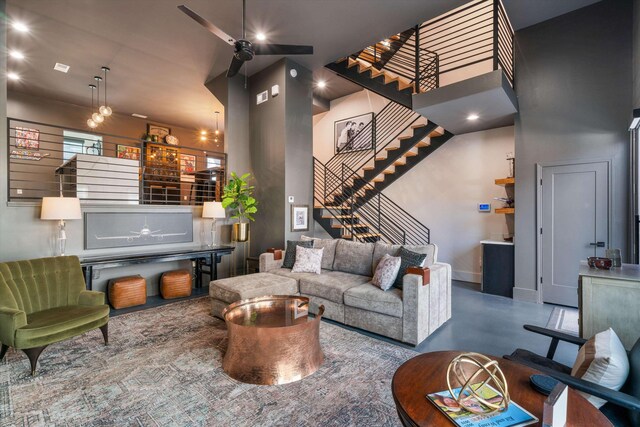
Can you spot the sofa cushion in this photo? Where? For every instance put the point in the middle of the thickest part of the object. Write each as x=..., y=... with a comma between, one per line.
x=290, y=253
x=308, y=260
x=408, y=259
x=354, y=257
x=430, y=250
x=55, y=324
x=381, y=249
x=372, y=298
x=286, y=272
x=255, y=285
x=331, y=284
x=329, y=246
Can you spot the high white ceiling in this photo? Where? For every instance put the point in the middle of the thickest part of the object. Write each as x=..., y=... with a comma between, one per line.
x=160, y=58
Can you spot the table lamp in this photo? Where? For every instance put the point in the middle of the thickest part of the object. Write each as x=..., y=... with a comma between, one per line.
x=60, y=209
x=213, y=210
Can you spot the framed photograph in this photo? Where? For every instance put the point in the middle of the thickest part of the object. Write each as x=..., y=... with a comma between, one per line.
x=299, y=217
x=160, y=131
x=27, y=138
x=354, y=133
x=127, y=152
x=187, y=164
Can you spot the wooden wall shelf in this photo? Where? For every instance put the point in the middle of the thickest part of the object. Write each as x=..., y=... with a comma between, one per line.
x=505, y=181
x=505, y=210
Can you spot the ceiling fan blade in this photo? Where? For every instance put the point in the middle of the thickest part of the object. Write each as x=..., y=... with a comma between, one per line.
x=234, y=67
x=208, y=25
x=282, y=49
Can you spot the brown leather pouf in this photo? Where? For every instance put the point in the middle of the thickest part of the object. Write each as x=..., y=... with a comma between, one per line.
x=127, y=291
x=175, y=284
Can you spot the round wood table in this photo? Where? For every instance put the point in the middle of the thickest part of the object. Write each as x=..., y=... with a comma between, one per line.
x=426, y=374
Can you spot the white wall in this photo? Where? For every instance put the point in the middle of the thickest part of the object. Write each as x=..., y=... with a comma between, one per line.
x=442, y=191
x=341, y=108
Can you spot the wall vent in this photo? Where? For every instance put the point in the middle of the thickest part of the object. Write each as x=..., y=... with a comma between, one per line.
x=63, y=68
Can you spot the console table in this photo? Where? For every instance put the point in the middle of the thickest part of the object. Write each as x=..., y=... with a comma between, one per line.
x=200, y=253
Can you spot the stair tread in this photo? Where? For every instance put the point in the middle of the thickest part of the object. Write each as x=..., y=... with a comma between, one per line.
x=388, y=171
x=423, y=144
x=361, y=235
x=410, y=154
x=418, y=126
x=350, y=216
x=399, y=163
x=392, y=148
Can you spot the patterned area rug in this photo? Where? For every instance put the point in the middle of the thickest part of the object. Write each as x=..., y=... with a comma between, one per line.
x=564, y=319
x=163, y=368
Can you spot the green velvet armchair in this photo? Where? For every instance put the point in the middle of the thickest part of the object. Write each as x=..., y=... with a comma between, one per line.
x=44, y=301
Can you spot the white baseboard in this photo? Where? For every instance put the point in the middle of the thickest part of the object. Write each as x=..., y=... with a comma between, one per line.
x=466, y=276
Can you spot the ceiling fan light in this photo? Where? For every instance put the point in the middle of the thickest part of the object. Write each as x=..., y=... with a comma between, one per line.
x=92, y=124
x=97, y=117
x=106, y=111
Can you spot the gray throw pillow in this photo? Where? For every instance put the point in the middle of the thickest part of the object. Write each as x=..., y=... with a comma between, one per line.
x=408, y=259
x=290, y=254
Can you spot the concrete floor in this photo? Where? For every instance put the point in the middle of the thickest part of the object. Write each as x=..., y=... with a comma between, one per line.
x=490, y=324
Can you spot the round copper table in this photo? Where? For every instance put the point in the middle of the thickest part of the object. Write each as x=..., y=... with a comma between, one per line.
x=272, y=340
x=427, y=374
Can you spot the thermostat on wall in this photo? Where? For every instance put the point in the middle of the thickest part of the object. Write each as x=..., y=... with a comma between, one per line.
x=484, y=207
x=262, y=97
x=275, y=90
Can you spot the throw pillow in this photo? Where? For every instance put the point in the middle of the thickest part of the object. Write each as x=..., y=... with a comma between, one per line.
x=386, y=272
x=602, y=360
x=290, y=254
x=408, y=258
x=308, y=260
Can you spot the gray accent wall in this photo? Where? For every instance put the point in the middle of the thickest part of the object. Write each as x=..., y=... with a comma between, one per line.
x=281, y=151
x=574, y=86
x=636, y=54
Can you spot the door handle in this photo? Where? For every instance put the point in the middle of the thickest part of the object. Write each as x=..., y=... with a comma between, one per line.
x=597, y=244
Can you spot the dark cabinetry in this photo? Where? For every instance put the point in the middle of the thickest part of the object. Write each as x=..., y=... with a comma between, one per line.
x=498, y=268
x=161, y=174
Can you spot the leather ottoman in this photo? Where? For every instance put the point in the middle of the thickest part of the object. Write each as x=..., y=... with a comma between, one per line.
x=175, y=284
x=127, y=291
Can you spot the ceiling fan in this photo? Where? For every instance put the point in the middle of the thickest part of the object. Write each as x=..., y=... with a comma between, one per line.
x=244, y=50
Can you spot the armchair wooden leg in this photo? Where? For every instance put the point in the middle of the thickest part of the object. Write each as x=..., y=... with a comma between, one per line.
x=105, y=333
x=33, y=354
x=3, y=351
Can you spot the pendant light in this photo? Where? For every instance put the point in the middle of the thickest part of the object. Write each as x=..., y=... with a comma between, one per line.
x=97, y=117
x=91, y=123
x=217, y=124
x=105, y=110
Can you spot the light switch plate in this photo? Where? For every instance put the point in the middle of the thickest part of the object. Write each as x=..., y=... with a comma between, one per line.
x=291, y=199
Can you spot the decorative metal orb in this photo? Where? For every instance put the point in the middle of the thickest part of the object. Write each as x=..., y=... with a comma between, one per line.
x=484, y=371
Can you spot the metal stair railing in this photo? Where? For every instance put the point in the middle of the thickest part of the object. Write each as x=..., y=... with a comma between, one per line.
x=394, y=224
x=393, y=120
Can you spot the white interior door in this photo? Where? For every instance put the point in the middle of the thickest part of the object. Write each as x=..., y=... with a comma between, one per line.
x=575, y=224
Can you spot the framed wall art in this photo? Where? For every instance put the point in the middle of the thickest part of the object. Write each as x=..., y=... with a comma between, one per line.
x=354, y=134
x=27, y=138
x=299, y=217
x=127, y=152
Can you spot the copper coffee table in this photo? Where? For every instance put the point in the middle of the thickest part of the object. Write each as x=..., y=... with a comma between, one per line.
x=272, y=340
x=427, y=374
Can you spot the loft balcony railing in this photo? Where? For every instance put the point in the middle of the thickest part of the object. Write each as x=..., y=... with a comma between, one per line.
x=45, y=160
x=471, y=40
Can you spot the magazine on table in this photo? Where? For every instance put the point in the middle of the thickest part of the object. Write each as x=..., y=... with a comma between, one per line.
x=513, y=416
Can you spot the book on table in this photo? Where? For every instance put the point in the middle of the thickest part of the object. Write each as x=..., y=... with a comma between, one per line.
x=513, y=416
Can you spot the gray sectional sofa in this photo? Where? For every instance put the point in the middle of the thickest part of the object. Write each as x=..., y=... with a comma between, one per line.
x=409, y=314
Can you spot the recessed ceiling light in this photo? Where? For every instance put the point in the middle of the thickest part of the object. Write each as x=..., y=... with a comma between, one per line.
x=13, y=76
x=16, y=54
x=261, y=36
x=140, y=116
x=20, y=26
x=322, y=84
x=63, y=68
x=473, y=117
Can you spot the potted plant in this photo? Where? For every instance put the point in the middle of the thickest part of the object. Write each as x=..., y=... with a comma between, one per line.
x=238, y=197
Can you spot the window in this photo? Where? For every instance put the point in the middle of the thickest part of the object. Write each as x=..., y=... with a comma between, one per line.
x=80, y=143
x=213, y=163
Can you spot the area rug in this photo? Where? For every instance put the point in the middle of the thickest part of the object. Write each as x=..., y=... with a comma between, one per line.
x=163, y=368
x=565, y=320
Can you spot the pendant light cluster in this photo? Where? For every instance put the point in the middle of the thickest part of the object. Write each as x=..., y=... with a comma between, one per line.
x=97, y=117
x=204, y=134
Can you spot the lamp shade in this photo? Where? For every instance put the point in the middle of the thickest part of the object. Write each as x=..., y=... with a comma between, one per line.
x=60, y=208
x=213, y=210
